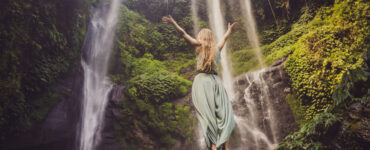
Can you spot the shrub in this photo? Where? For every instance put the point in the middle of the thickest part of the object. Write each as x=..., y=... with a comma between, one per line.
x=312, y=134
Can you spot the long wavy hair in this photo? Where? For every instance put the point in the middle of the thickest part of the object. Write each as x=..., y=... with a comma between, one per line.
x=206, y=50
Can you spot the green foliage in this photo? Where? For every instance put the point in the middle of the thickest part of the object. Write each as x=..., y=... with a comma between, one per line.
x=271, y=34
x=40, y=40
x=287, y=43
x=146, y=65
x=316, y=133
x=158, y=87
x=278, y=41
x=132, y=33
x=182, y=63
x=297, y=109
x=143, y=44
x=147, y=107
x=163, y=122
x=153, y=84
x=153, y=10
x=244, y=60
x=138, y=36
x=313, y=134
x=354, y=86
x=322, y=50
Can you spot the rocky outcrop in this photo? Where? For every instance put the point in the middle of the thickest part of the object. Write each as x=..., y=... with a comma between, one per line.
x=260, y=105
x=109, y=140
x=354, y=130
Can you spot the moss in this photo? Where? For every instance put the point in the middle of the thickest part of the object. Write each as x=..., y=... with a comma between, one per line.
x=321, y=50
x=146, y=65
x=243, y=61
x=329, y=125
x=286, y=43
x=182, y=63
x=297, y=109
x=153, y=83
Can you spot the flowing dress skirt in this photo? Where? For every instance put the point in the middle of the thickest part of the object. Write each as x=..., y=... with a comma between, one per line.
x=214, y=110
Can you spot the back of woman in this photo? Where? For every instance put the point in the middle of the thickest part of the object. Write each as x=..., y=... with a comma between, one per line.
x=210, y=99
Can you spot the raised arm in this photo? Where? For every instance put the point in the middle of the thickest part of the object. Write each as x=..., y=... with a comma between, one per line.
x=181, y=30
x=227, y=35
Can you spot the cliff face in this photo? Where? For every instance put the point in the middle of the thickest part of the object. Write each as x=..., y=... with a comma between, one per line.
x=41, y=42
x=111, y=121
x=59, y=129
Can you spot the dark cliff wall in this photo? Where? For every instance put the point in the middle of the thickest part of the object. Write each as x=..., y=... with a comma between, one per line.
x=59, y=130
x=41, y=42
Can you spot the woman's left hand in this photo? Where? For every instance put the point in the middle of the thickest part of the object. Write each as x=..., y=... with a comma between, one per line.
x=232, y=26
x=168, y=19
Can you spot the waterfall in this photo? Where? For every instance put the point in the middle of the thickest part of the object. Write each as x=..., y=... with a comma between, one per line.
x=258, y=122
x=254, y=113
x=216, y=21
x=252, y=33
x=251, y=28
x=97, y=48
x=194, y=16
x=255, y=122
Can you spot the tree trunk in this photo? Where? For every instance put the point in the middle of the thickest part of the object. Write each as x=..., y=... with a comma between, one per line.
x=306, y=4
x=287, y=7
x=273, y=13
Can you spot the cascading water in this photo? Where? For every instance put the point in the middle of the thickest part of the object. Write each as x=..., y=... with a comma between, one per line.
x=257, y=125
x=255, y=120
x=216, y=22
x=194, y=16
x=97, y=48
x=254, y=117
x=264, y=99
x=251, y=28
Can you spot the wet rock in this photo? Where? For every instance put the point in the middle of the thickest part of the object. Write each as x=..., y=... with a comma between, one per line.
x=260, y=98
x=109, y=140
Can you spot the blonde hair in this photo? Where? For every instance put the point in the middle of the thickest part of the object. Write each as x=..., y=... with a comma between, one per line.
x=206, y=50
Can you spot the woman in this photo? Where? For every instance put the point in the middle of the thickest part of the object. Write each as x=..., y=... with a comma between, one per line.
x=209, y=96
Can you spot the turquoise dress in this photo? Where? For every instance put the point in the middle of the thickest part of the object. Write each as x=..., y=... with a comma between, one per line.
x=214, y=110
